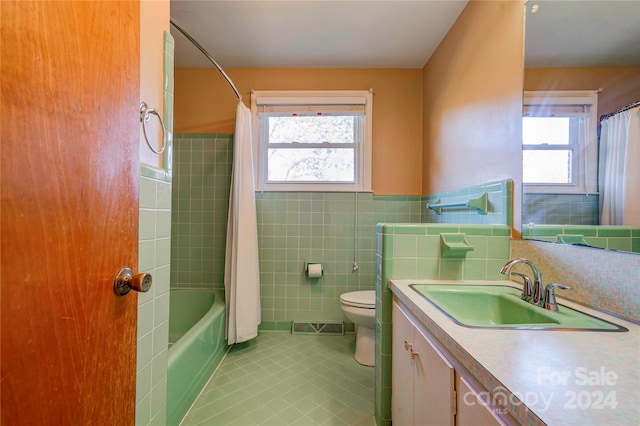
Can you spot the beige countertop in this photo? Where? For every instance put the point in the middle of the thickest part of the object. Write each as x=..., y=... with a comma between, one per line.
x=550, y=377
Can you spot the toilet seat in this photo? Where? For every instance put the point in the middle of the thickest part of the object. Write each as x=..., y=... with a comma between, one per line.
x=359, y=299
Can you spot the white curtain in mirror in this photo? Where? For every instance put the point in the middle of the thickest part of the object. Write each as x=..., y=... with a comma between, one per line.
x=619, y=169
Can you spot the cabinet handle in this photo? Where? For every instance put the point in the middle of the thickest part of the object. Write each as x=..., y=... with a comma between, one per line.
x=407, y=345
x=414, y=354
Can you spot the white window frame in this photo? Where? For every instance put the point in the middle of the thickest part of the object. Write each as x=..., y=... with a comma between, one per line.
x=587, y=161
x=297, y=99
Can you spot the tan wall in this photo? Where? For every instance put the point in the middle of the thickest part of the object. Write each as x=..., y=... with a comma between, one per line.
x=154, y=20
x=204, y=103
x=473, y=102
x=620, y=85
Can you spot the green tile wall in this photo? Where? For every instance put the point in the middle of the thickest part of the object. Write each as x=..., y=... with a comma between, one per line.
x=549, y=209
x=201, y=181
x=153, y=306
x=299, y=227
x=154, y=257
x=413, y=251
x=624, y=238
x=168, y=91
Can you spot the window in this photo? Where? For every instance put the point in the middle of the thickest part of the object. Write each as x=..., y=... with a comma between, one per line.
x=312, y=140
x=559, y=147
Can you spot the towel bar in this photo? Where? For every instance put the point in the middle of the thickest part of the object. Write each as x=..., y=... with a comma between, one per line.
x=480, y=204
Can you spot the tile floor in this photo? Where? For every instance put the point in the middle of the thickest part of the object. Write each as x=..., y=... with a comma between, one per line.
x=284, y=379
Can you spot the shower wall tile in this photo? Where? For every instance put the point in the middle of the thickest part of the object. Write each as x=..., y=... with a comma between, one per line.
x=559, y=209
x=153, y=306
x=201, y=183
x=158, y=403
x=168, y=95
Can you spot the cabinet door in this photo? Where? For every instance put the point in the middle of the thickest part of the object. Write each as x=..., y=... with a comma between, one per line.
x=402, y=369
x=472, y=410
x=434, y=396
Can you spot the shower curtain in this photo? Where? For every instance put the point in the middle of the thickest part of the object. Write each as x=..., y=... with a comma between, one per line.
x=242, y=274
x=619, y=169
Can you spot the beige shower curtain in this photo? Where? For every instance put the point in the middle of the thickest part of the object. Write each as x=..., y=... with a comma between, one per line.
x=242, y=273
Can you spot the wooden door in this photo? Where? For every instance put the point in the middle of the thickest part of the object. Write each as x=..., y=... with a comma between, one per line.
x=69, y=210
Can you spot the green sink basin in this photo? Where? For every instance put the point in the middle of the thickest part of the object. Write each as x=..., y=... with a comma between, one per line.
x=486, y=306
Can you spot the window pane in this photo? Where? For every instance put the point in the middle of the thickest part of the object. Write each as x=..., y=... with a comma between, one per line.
x=546, y=166
x=549, y=130
x=312, y=129
x=311, y=165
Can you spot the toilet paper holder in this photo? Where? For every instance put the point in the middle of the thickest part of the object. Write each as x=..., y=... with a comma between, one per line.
x=313, y=274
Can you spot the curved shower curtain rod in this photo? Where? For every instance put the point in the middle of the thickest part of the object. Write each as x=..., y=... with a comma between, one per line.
x=204, y=51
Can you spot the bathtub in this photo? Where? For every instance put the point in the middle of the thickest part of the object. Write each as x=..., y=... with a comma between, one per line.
x=196, y=346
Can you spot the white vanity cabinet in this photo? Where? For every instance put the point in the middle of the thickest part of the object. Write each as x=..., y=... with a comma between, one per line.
x=427, y=387
x=471, y=409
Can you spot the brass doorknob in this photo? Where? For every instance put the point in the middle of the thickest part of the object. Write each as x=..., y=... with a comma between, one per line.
x=125, y=281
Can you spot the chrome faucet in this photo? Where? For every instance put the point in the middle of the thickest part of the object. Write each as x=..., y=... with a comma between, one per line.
x=549, y=298
x=527, y=290
x=537, y=296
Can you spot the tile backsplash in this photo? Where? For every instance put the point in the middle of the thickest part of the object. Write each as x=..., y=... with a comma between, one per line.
x=601, y=278
x=626, y=238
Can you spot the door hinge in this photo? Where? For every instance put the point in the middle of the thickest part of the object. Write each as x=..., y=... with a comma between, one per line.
x=455, y=402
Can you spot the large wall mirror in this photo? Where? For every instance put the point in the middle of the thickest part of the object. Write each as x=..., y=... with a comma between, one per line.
x=582, y=61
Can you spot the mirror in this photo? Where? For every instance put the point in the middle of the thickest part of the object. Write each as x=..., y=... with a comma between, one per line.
x=589, y=46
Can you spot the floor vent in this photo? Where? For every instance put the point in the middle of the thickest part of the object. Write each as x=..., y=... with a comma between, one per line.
x=326, y=328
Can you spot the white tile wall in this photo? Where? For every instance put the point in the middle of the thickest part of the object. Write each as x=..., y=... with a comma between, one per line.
x=153, y=306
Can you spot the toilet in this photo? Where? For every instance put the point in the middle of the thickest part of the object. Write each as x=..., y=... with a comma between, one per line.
x=360, y=308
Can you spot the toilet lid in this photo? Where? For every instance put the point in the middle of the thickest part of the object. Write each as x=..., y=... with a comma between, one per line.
x=360, y=299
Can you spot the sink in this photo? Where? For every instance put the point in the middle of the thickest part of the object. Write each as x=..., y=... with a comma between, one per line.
x=500, y=307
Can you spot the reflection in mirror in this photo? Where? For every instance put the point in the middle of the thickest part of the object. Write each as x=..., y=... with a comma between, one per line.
x=582, y=61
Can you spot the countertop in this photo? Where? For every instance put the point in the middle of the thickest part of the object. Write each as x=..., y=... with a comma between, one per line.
x=551, y=377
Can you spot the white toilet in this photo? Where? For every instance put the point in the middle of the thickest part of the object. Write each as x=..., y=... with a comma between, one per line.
x=360, y=308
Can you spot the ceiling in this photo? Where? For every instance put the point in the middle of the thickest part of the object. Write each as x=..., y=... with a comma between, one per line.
x=312, y=34
x=582, y=33
x=391, y=33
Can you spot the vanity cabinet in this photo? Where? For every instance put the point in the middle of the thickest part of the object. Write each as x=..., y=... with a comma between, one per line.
x=428, y=387
x=471, y=409
x=422, y=380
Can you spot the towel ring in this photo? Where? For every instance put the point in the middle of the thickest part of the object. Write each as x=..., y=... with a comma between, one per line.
x=145, y=112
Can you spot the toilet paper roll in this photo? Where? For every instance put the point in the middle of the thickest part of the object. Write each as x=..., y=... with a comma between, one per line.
x=314, y=270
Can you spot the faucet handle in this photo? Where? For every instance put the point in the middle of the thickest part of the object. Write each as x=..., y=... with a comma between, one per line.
x=550, y=296
x=527, y=290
